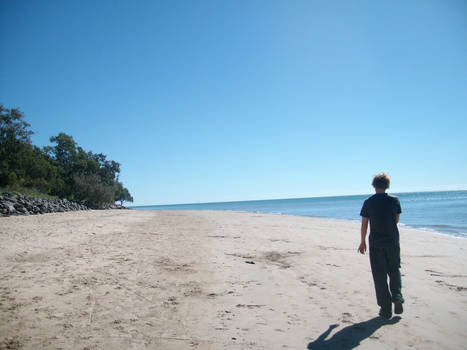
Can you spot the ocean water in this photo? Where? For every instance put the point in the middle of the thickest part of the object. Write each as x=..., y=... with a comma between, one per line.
x=443, y=212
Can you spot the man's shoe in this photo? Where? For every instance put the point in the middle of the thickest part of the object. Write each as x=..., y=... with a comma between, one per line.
x=386, y=314
x=398, y=308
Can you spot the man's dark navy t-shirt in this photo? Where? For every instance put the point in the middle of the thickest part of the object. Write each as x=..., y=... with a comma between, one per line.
x=382, y=209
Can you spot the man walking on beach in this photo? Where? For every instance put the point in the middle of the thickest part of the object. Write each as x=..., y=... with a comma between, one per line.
x=383, y=211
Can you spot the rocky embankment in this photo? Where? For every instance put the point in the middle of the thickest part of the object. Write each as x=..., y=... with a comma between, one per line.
x=17, y=204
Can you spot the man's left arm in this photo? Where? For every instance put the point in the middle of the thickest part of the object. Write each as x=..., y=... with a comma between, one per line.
x=398, y=210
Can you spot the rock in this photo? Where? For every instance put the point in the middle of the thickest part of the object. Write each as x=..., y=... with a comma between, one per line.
x=11, y=210
x=12, y=204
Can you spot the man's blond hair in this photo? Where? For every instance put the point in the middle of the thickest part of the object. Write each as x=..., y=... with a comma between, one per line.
x=382, y=181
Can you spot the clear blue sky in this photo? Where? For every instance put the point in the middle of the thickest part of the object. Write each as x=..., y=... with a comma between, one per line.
x=236, y=100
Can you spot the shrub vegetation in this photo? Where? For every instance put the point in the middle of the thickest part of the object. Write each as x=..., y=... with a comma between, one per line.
x=63, y=170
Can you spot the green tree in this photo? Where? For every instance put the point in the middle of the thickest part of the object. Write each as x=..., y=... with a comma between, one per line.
x=15, y=138
x=68, y=158
x=63, y=169
x=122, y=194
x=13, y=127
x=40, y=172
x=88, y=177
x=90, y=190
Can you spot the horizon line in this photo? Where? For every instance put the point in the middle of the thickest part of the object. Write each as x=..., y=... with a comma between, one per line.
x=290, y=198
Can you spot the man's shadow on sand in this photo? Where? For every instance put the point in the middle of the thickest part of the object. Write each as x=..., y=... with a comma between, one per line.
x=351, y=336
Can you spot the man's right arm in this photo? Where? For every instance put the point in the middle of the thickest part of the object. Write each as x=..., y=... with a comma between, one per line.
x=363, y=231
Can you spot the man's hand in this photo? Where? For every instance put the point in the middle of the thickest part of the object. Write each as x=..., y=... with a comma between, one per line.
x=362, y=248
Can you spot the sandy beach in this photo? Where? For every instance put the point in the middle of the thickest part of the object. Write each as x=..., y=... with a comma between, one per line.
x=218, y=280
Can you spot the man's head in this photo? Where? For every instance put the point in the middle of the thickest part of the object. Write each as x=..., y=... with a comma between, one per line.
x=381, y=181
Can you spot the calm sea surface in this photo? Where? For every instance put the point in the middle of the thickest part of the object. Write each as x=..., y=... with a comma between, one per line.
x=443, y=212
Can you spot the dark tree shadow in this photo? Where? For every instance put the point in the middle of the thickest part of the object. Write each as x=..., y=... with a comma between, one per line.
x=351, y=336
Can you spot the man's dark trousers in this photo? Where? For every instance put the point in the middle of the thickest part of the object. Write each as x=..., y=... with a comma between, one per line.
x=385, y=261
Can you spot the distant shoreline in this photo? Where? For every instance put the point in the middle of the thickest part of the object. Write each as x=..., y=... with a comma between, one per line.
x=289, y=198
x=435, y=211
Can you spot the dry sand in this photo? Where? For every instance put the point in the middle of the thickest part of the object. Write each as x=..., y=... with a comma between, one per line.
x=218, y=280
